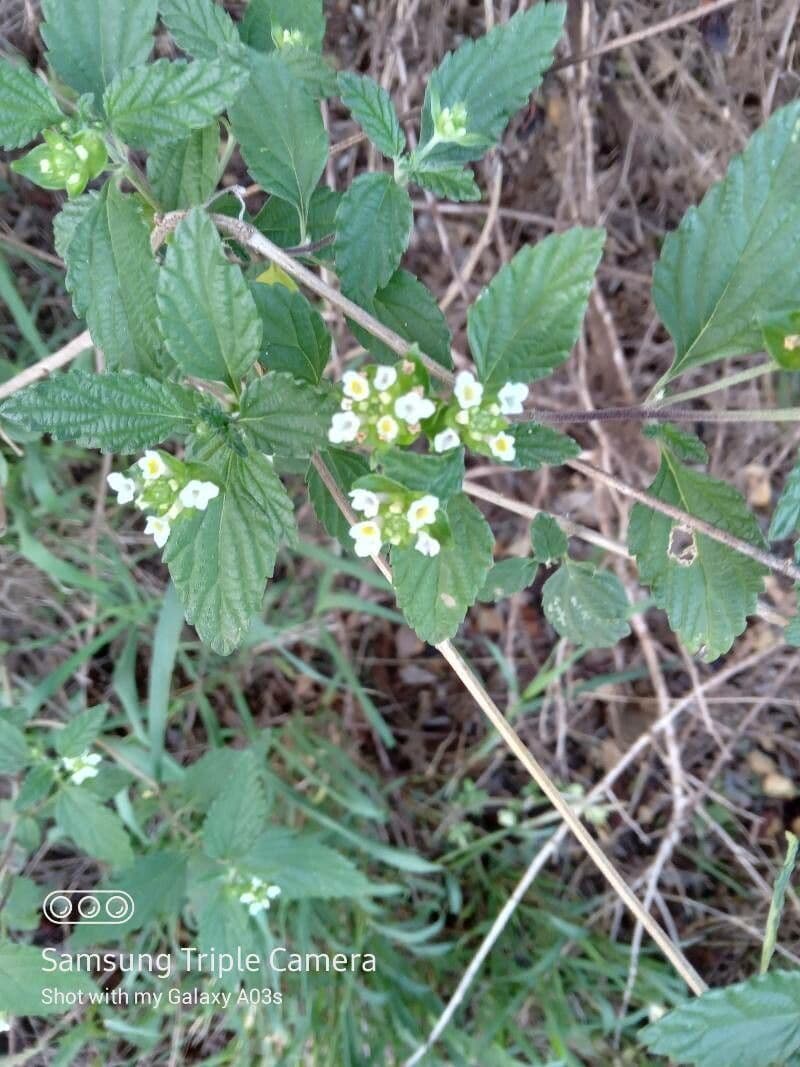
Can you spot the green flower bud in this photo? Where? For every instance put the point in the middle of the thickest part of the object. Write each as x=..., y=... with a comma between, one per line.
x=90, y=148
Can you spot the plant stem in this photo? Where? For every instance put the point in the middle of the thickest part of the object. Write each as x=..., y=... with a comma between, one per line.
x=720, y=383
x=661, y=414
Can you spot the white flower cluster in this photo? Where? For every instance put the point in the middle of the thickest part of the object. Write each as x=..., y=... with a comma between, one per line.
x=155, y=486
x=381, y=406
x=394, y=520
x=79, y=768
x=258, y=896
x=480, y=422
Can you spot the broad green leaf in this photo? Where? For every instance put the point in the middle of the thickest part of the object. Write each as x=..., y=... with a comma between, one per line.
x=207, y=314
x=442, y=475
x=278, y=220
x=706, y=588
x=751, y=1024
x=220, y=558
x=295, y=338
x=94, y=828
x=435, y=593
x=90, y=42
x=541, y=446
x=115, y=412
x=492, y=77
x=587, y=606
x=185, y=174
x=526, y=322
x=200, y=27
x=66, y=225
x=23, y=982
x=237, y=816
x=373, y=228
x=346, y=468
x=112, y=273
x=408, y=308
x=548, y=540
x=507, y=577
x=80, y=732
x=372, y=108
x=280, y=131
x=447, y=182
x=285, y=417
x=716, y=278
x=782, y=883
x=786, y=517
x=314, y=73
x=26, y=105
x=304, y=867
x=161, y=103
x=14, y=752
x=265, y=20
x=23, y=908
x=223, y=923
x=686, y=446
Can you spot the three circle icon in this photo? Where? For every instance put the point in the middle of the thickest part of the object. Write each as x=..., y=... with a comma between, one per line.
x=75, y=906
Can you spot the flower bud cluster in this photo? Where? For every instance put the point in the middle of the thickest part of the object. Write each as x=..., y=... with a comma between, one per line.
x=257, y=896
x=65, y=161
x=382, y=405
x=450, y=124
x=162, y=485
x=399, y=518
x=479, y=420
x=79, y=768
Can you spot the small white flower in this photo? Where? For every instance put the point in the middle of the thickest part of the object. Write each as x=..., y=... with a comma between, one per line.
x=344, y=427
x=365, y=502
x=81, y=767
x=462, y=418
x=387, y=428
x=258, y=896
x=427, y=545
x=196, y=494
x=468, y=391
x=124, y=487
x=413, y=408
x=422, y=512
x=159, y=528
x=355, y=385
x=446, y=440
x=152, y=466
x=503, y=446
x=5, y=1023
x=367, y=537
x=385, y=377
x=273, y=891
x=512, y=396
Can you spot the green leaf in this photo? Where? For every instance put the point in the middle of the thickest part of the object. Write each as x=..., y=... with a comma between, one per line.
x=115, y=412
x=185, y=174
x=526, y=322
x=373, y=110
x=408, y=308
x=786, y=517
x=280, y=131
x=284, y=417
x=23, y=908
x=587, y=606
x=541, y=446
x=548, y=539
x=781, y=337
x=80, y=732
x=66, y=225
x=492, y=78
x=442, y=475
x=346, y=468
x=751, y=1024
x=14, y=753
x=200, y=27
x=90, y=42
x=26, y=105
x=152, y=106
x=23, y=982
x=782, y=883
x=686, y=446
x=446, y=181
x=207, y=314
x=706, y=588
x=112, y=273
x=220, y=558
x=304, y=867
x=435, y=593
x=373, y=228
x=507, y=577
x=265, y=17
x=94, y=828
x=712, y=293
x=295, y=338
x=237, y=816
x=278, y=220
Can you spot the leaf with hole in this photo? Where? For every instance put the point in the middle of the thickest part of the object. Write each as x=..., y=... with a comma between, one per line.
x=587, y=606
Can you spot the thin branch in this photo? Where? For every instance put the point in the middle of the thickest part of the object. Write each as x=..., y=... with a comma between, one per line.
x=647, y=413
